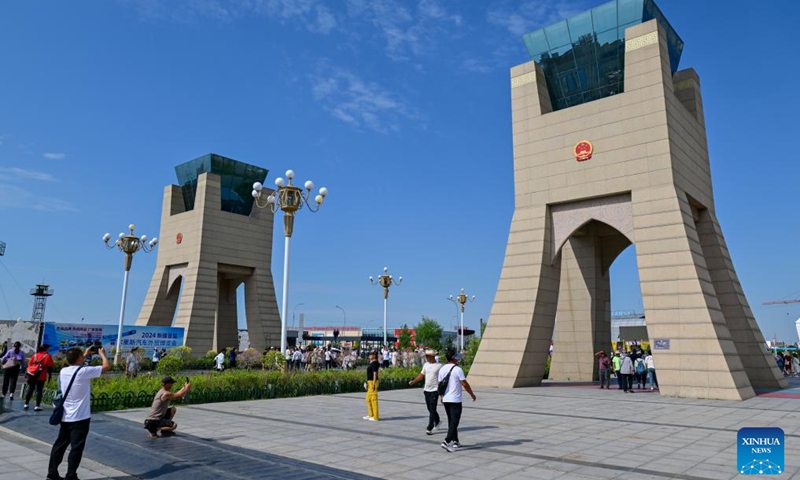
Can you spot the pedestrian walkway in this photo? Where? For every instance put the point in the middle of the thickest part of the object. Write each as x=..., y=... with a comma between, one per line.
x=25, y=458
x=540, y=433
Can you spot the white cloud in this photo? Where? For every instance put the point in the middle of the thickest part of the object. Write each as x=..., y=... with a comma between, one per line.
x=357, y=102
x=520, y=19
x=54, y=156
x=15, y=197
x=16, y=173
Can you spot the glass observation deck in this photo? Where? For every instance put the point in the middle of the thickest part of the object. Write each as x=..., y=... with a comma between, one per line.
x=237, y=181
x=583, y=57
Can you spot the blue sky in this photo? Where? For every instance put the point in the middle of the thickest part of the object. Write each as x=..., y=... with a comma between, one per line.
x=400, y=108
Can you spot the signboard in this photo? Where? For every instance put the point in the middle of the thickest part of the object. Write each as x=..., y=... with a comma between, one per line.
x=62, y=336
x=26, y=333
x=661, y=344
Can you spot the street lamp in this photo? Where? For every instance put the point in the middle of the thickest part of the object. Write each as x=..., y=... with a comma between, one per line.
x=127, y=244
x=290, y=199
x=295, y=311
x=344, y=313
x=385, y=281
x=462, y=298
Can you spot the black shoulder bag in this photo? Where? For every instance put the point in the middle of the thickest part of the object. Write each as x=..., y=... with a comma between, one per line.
x=443, y=384
x=58, y=403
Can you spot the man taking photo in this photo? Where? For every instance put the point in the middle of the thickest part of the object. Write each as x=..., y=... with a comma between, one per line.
x=161, y=414
x=74, y=426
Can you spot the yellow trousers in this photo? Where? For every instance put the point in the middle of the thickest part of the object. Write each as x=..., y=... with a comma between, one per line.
x=372, y=399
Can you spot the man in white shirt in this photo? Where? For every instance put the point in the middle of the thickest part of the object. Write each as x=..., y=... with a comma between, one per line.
x=77, y=411
x=219, y=360
x=430, y=372
x=456, y=381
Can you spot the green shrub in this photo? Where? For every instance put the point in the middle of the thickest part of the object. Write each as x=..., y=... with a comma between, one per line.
x=204, y=363
x=274, y=361
x=211, y=354
x=169, y=365
x=184, y=353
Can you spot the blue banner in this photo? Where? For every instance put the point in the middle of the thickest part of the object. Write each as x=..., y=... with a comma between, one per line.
x=62, y=336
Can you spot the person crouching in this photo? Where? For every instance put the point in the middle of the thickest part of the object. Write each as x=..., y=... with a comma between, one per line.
x=161, y=414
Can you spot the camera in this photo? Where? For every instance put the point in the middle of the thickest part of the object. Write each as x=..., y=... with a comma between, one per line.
x=95, y=347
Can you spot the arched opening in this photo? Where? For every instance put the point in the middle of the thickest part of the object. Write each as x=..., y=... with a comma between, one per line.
x=583, y=323
x=174, y=298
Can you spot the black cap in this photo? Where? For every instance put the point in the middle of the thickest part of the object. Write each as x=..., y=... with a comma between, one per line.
x=167, y=380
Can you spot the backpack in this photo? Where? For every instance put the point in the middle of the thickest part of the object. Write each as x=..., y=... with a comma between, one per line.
x=640, y=366
x=35, y=367
x=442, y=388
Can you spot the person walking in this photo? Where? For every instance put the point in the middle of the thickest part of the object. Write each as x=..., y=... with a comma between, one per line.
x=451, y=399
x=74, y=426
x=651, y=371
x=640, y=372
x=626, y=372
x=12, y=363
x=39, y=367
x=615, y=362
x=604, y=369
x=161, y=414
x=156, y=358
x=372, y=388
x=232, y=357
x=430, y=372
x=132, y=362
x=219, y=361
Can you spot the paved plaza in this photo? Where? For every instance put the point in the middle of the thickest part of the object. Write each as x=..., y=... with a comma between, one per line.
x=556, y=431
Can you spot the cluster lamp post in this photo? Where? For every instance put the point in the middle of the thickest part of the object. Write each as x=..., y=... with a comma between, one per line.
x=127, y=244
x=462, y=298
x=385, y=281
x=288, y=198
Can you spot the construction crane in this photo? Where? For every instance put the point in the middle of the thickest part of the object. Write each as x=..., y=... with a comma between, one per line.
x=782, y=302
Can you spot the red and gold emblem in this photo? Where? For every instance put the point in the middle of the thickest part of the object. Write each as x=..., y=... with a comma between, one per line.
x=583, y=150
x=179, y=238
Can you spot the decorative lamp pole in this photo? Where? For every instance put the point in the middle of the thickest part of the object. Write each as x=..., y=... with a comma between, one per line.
x=127, y=244
x=290, y=199
x=343, y=313
x=385, y=281
x=462, y=298
x=295, y=311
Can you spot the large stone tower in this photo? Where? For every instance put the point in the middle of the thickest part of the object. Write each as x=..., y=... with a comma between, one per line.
x=212, y=241
x=610, y=149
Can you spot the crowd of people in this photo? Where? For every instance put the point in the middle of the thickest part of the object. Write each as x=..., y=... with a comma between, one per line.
x=788, y=363
x=629, y=368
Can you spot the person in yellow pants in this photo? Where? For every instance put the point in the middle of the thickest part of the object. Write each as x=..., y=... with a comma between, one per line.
x=372, y=388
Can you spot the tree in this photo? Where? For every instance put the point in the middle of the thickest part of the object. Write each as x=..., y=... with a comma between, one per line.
x=404, y=341
x=429, y=333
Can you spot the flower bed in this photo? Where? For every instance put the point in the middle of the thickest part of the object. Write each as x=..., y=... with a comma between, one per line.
x=119, y=392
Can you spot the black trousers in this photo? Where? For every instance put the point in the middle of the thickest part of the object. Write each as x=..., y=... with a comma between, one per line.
x=10, y=376
x=627, y=381
x=453, y=411
x=39, y=386
x=73, y=435
x=431, y=398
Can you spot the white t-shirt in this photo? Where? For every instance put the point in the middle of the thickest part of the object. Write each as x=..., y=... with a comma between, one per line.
x=454, y=388
x=327, y=355
x=77, y=405
x=648, y=362
x=219, y=360
x=431, y=372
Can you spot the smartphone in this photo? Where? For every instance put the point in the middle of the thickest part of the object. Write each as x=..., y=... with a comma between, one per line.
x=187, y=380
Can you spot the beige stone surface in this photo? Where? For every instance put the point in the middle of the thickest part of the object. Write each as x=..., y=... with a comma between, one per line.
x=199, y=276
x=650, y=148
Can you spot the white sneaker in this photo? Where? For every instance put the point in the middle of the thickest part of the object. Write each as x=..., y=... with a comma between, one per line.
x=37, y=409
x=456, y=444
x=25, y=407
x=372, y=419
x=435, y=428
x=448, y=447
x=367, y=418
